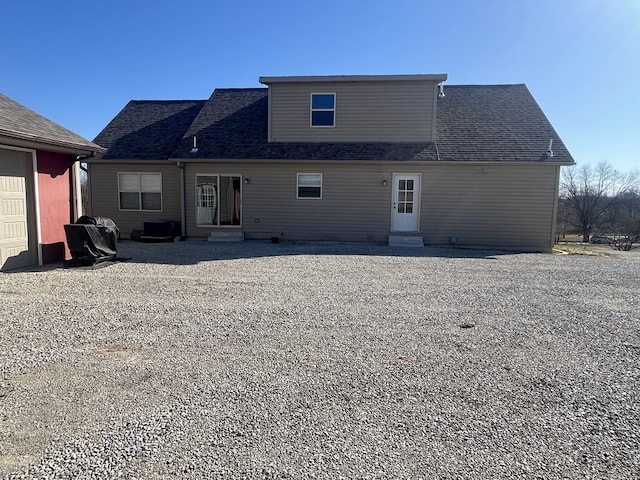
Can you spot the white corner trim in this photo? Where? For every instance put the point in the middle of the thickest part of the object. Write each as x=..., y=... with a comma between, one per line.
x=36, y=207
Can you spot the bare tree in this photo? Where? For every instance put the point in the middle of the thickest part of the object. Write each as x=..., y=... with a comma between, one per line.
x=592, y=192
x=624, y=219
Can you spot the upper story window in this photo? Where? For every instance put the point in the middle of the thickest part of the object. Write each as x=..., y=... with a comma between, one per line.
x=323, y=109
x=140, y=191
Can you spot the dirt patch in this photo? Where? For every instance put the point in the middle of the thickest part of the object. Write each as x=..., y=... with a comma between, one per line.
x=39, y=406
x=115, y=348
x=50, y=403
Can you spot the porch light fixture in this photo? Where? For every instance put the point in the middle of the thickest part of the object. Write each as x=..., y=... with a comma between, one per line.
x=247, y=180
x=384, y=182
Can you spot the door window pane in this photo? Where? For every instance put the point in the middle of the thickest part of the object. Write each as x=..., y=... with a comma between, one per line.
x=218, y=200
x=207, y=200
x=404, y=196
x=229, y=200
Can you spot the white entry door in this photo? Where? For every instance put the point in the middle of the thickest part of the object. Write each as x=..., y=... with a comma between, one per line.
x=405, y=203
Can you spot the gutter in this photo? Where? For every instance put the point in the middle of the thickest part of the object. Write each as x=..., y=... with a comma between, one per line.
x=435, y=162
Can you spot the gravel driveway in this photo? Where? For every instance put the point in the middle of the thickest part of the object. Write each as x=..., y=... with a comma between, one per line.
x=302, y=360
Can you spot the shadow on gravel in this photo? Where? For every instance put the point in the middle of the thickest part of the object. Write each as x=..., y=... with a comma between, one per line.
x=196, y=251
x=191, y=252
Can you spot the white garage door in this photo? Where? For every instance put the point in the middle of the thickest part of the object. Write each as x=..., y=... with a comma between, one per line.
x=16, y=247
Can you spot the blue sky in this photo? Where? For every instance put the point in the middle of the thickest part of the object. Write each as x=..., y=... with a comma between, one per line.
x=78, y=63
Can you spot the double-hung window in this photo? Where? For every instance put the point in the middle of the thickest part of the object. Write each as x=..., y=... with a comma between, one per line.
x=140, y=191
x=323, y=109
x=309, y=185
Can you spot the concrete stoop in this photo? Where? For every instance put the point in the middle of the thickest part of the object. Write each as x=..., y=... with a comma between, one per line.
x=226, y=236
x=405, y=241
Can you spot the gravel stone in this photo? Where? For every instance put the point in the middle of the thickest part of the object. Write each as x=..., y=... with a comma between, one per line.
x=321, y=360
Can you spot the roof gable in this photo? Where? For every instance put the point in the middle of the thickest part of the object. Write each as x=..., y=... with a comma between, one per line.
x=21, y=123
x=231, y=122
x=148, y=129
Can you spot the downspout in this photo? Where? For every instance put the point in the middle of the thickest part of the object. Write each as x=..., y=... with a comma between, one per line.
x=76, y=168
x=183, y=208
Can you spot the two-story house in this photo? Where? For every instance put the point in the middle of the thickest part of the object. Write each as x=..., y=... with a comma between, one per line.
x=398, y=158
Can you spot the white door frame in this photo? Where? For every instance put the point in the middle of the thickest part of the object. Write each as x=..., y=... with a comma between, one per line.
x=403, y=199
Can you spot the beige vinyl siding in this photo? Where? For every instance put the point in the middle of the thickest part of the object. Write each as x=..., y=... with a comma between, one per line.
x=399, y=111
x=502, y=205
x=354, y=204
x=103, y=187
x=492, y=205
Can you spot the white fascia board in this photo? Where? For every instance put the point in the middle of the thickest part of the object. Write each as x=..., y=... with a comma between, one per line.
x=438, y=77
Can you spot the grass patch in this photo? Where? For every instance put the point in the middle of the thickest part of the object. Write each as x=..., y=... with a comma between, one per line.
x=593, y=251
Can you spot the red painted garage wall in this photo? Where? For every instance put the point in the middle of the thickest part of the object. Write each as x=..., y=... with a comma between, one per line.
x=56, y=196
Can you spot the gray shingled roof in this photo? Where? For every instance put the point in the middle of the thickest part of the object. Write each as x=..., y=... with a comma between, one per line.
x=22, y=123
x=148, y=129
x=494, y=123
x=234, y=122
x=474, y=123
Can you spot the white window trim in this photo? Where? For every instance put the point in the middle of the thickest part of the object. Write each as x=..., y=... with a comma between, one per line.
x=298, y=186
x=217, y=175
x=311, y=109
x=140, y=192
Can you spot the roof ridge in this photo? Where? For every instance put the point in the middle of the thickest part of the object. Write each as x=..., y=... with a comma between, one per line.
x=167, y=101
x=488, y=85
x=241, y=89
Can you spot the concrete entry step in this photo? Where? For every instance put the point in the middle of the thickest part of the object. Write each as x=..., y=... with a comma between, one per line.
x=405, y=241
x=226, y=236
